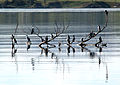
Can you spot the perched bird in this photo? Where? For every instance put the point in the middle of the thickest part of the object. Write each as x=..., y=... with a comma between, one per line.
x=99, y=29
x=59, y=44
x=28, y=45
x=42, y=39
x=15, y=50
x=73, y=40
x=28, y=39
x=28, y=42
x=82, y=44
x=46, y=38
x=82, y=40
x=52, y=36
x=100, y=39
x=92, y=34
x=32, y=31
x=106, y=12
x=104, y=44
x=68, y=39
x=14, y=39
x=13, y=46
x=98, y=44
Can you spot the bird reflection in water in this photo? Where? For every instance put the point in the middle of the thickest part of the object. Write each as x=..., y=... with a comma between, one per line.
x=33, y=63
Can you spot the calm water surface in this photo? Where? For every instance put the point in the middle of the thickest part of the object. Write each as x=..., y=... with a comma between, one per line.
x=66, y=68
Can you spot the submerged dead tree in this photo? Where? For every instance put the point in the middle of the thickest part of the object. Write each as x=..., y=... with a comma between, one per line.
x=92, y=34
x=58, y=31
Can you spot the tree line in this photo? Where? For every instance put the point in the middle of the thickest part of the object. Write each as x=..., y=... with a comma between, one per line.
x=29, y=4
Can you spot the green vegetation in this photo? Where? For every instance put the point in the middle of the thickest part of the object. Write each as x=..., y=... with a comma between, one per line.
x=58, y=3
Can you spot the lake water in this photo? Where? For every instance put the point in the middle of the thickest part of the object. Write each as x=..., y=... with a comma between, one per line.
x=33, y=67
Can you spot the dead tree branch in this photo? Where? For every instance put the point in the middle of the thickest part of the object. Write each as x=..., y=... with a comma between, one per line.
x=92, y=34
x=58, y=32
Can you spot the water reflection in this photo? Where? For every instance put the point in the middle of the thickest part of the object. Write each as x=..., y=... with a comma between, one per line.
x=67, y=58
x=33, y=63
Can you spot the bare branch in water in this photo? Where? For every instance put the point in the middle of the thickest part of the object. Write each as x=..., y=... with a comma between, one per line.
x=92, y=34
x=58, y=32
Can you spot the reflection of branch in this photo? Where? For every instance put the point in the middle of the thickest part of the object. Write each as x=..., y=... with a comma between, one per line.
x=92, y=54
x=46, y=51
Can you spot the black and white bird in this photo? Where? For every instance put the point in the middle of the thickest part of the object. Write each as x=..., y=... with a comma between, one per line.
x=82, y=40
x=14, y=39
x=99, y=28
x=46, y=39
x=28, y=39
x=42, y=39
x=106, y=12
x=68, y=39
x=13, y=46
x=28, y=42
x=73, y=40
x=59, y=44
x=32, y=31
x=92, y=34
x=100, y=39
x=52, y=36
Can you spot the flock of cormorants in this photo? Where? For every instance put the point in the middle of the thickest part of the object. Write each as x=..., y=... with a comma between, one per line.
x=70, y=41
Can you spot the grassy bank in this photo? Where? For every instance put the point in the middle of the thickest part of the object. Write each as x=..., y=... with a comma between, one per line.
x=58, y=3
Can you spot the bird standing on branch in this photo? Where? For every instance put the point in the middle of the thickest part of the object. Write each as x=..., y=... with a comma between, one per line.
x=73, y=40
x=100, y=39
x=28, y=39
x=32, y=31
x=68, y=39
x=28, y=42
x=92, y=34
x=99, y=28
x=14, y=39
x=106, y=12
